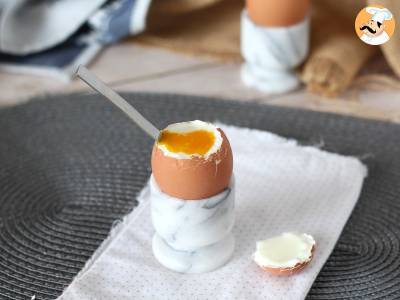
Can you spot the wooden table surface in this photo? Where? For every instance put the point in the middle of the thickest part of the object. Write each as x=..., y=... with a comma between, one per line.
x=129, y=67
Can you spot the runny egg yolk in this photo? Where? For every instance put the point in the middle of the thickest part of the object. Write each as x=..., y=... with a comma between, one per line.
x=193, y=142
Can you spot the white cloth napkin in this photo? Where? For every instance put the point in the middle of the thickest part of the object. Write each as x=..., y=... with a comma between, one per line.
x=281, y=186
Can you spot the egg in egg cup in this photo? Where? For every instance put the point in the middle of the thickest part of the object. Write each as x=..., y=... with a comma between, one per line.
x=192, y=197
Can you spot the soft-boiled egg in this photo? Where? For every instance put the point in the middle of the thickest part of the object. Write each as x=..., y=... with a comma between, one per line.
x=192, y=160
x=285, y=254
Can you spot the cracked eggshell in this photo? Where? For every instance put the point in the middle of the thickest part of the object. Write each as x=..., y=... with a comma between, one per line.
x=290, y=270
x=286, y=254
x=193, y=178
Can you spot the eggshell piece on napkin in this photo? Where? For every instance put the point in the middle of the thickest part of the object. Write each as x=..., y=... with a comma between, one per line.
x=285, y=254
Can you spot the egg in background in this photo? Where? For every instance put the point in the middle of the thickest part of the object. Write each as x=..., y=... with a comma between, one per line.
x=273, y=13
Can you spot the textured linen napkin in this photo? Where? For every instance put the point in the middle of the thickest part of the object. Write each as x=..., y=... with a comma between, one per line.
x=281, y=186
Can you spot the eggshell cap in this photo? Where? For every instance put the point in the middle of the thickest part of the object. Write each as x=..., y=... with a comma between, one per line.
x=285, y=254
x=290, y=271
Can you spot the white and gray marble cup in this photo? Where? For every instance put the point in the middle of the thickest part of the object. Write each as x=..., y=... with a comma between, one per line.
x=193, y=236
x=271, y=54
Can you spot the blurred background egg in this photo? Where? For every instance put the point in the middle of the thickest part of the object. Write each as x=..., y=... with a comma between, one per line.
x=280, y=13
x=192, y=160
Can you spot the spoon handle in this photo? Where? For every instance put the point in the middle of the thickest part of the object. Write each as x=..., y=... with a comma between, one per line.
x=95, y=83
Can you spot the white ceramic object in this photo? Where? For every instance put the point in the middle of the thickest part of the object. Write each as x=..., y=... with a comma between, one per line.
x=193, y=236
x=272, y=53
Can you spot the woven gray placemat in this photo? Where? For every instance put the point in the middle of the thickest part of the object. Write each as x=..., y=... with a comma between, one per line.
x=70, y=166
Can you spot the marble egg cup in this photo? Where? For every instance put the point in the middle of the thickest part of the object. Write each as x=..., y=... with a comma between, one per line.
x=193, y=236
x=272, y=53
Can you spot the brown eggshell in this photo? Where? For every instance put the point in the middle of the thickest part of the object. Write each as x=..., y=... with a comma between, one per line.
x=194, y=178
x=290, y=271
x=277, y=13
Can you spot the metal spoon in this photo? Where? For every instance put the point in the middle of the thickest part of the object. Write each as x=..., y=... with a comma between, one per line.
x=95, y=83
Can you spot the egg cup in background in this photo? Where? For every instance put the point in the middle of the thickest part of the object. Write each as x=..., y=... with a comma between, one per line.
x=274, y=40
x=193, y=236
